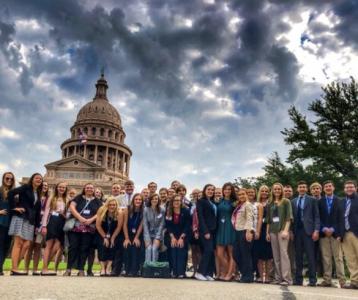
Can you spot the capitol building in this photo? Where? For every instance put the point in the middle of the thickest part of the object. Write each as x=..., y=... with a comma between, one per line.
x=96, y=151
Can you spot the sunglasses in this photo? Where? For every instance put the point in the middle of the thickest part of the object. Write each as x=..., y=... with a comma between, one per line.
x=9, y=178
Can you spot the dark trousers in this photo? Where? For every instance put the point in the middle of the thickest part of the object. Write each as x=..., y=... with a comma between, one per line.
x=118, y=256
x=5, y=242
x=304, y=245
x=207, y=262
x=179, y=260
x=80, y=244
x=133, y=258
x=243, y=256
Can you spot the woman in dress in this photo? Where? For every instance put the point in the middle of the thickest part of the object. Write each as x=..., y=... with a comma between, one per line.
x=177, y=221
x=84, y=209
x=133, y=232
x=7, y=184
x=225, y=236
x=108, y=223
x=264, y=251
x=153, y=224
x=52, y=222
x=25, y=206
x=243, y=222
x=206, y=209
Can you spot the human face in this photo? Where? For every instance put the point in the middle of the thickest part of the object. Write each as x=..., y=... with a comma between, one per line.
x=8, y=179
x=288, y=192
x=195, y=195
x=316, y=191
x=218, y=193
x=175, y=185
x=72, y=194
x=116, y=190
x=152, y=188
x=89, y=190
x=112, y=206
x=328, y=189
x=349, y=189
x=37, y=181
x=302, y=189
x=98, y=193
x=155, y=201
x=171, y=193
x=182, y=192
x=44, y=187
x=277, y=191
x=209, y=192
x=129, y=188
x=145, y=193
x=227, y=192
x=264, y=193
x=251, y=194
x=61, y=189
x=176, y=202
x=163, y=195
x=137, y=201
x=242, y=196
x=122, y=192
x=200, y=195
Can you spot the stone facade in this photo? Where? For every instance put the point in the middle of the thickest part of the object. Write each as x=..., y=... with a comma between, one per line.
x=96, y=151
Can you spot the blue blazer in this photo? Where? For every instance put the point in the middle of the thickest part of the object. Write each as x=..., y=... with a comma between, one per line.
x=329, y=220
x=183, y=226
x=352, y=217
x=311, y=220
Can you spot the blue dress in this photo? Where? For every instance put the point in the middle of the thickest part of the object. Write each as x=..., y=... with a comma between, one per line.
x=225, y=234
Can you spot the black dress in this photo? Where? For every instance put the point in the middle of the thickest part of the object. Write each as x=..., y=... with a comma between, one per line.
x=109, y=225
x=55, y=228
x=264, y=250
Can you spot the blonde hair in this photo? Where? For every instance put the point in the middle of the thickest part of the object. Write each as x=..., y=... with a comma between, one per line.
x=272, y=197
x=55, y=196
x=315, y=184
x=104, y=209
x=260, y=191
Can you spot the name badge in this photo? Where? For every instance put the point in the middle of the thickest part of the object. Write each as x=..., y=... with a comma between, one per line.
x=159, y=216
x=222, y=220
x=55, y=214
x=263, y=220
x=275, y=219
x=86, y=212
x=134, y=230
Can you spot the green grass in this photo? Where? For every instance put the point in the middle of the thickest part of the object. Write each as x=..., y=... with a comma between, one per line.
x=61, y=267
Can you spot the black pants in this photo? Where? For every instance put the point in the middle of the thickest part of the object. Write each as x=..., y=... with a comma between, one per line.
x=243, y=256
x=80, y=244
x=179, y=259
x=207, y=262
x=118, y=256
x=304, y=245
x=133, y=258
x=5, y=242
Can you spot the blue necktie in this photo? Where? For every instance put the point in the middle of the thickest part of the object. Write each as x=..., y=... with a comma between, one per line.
x=346, y=214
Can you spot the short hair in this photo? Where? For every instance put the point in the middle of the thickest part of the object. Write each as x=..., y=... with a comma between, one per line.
x=163, y=189
x=129, y=182
x=350, y=182
x=181, y=187
x=328, y=182
x=116, y=183
x=302, y=182
x=152, y=183
x=287, y=186
x=316, y=184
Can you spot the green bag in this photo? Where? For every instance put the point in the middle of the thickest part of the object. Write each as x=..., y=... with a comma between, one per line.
x=156, y=269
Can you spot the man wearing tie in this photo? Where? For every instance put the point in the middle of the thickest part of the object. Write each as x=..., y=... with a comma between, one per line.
x=306, y=227
x=348, y=231
x=328, y=211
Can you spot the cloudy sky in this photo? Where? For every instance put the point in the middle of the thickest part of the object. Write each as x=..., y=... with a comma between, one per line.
x=202, y=86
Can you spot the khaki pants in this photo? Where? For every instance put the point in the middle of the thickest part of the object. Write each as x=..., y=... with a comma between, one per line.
x=350, y=249
x=330, y=247
x=280, y=258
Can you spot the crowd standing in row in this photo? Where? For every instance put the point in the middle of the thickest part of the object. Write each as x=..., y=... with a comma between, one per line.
x=232, y=233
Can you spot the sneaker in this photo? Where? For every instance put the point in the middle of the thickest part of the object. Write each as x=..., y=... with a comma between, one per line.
x=209, y=278
x=325, y=284
x=200, y=277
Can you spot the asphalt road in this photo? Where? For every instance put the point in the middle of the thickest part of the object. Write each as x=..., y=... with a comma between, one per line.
x=40, y=288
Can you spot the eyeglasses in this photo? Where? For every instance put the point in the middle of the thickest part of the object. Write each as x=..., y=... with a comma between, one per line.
x=9, y=178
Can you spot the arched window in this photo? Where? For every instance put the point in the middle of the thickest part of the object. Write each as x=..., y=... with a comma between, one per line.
x=110, y=134
x=85, y=130
x=93, y=131
x=91, y=157
x=102, y=132
x=100, y=160
x=116, y=136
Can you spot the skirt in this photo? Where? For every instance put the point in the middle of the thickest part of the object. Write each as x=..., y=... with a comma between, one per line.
x=55, y=229
x=21, y=228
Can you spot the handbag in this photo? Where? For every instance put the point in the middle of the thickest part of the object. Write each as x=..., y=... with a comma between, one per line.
x=70, y=223
x=156, y=269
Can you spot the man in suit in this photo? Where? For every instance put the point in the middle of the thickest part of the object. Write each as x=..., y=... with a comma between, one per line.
x=306, y=231
x=328, y=207
x=348, y=231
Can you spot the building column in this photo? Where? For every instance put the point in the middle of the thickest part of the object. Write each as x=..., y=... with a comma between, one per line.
x=127, y=165
x=95, y=153
x=123, y=160
x=67, y=151
x=106, y=158
x=85, y=151
x=116, y=161
x=75, y=150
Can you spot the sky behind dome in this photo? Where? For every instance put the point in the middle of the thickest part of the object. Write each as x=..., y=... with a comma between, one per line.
x=202, y=86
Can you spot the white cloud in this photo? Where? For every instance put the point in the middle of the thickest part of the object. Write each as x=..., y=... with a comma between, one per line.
x=7, y=133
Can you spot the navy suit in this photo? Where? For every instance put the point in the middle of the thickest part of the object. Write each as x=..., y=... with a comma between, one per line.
x=329, y=219
x=352, y=217
x=303, y=228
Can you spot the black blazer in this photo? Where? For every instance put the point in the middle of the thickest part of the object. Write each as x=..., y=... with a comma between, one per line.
x=26, y=200
x=206, y=216
x=311, y=221
x=329, y=220
x=183, y=226
x=352, y=217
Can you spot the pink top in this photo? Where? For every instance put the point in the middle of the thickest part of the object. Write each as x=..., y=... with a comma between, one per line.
x=60, y=209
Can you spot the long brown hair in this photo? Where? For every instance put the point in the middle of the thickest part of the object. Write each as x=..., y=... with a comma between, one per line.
x=157, y=208
x=170, y=210
x=55, y=196
x=131, y=207
x=4, y=189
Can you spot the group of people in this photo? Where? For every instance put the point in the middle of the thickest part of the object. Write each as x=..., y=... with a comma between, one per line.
x=228, y=233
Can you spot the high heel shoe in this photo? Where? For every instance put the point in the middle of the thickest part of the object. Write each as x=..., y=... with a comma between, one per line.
x=16, y=273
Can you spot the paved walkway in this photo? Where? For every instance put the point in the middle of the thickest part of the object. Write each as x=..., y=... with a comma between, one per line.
x=29, y=287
